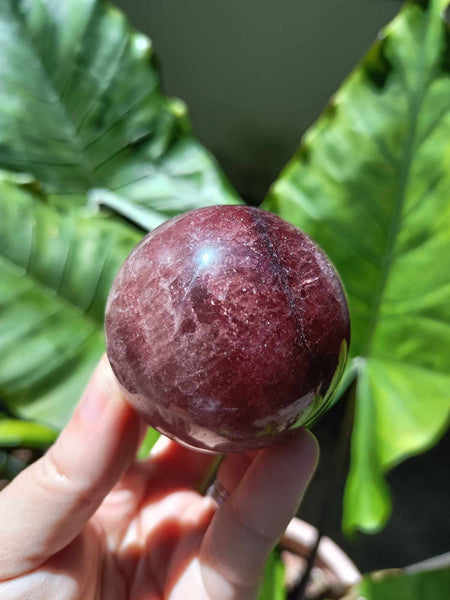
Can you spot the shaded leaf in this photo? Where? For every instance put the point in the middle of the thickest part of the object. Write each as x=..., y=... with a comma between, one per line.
x=388, y=585
x=81, y=108
x=371, y=183
x=10, y=466
x=55, y=273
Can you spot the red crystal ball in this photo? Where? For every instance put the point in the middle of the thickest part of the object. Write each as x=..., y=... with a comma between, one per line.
x=227, y=328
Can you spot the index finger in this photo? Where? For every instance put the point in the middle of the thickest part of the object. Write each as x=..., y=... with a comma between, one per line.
x=249, y=523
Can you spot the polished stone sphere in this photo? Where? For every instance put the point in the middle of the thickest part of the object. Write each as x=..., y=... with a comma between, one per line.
x=227, y=328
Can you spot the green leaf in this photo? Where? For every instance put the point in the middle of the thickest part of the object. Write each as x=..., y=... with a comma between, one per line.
x=371, y=183
x=81, y=108
x=151, y=437
x=273, y=584
x=56, y=269
x=426, y=585
x=16, y=433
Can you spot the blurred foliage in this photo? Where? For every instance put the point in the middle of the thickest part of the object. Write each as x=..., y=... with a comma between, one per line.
x=10, y=466
x=150, y=439
x=371, y=183
x=15, y=433
x=273, y=585
x=397, y=585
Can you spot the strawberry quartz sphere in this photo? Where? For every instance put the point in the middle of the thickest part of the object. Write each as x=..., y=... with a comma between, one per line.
x=227, y=328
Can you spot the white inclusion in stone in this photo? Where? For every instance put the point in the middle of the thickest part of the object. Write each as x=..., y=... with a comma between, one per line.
x=204, y=404
x=310, y=280
x=288, y=413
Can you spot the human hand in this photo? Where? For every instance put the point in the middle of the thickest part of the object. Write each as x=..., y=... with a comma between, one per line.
x=88, y=522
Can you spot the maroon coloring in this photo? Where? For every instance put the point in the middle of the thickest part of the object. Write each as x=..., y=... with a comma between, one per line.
x=227, y=327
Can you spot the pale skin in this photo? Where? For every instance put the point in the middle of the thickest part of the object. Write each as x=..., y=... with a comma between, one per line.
x=88, y=521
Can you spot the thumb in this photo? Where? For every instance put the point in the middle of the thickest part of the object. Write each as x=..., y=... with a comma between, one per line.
x=48, y=504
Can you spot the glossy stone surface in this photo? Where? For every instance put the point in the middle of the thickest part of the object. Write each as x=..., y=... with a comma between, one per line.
x=227, y=327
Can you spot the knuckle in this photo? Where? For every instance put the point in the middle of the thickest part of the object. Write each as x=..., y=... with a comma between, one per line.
x=53, y=478
x=249, y=527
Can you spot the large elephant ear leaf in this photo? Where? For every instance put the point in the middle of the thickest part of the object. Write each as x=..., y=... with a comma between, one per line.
x=81, y=108
x=371, y=183
x=56, y=269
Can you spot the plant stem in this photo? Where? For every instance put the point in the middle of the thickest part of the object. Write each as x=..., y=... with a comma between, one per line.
x=211, y=475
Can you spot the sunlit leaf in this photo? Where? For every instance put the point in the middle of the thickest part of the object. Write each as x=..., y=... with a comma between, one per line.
x=371, y=183
x=81, y=108
x=55, y=273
